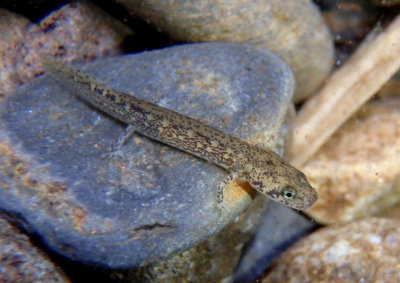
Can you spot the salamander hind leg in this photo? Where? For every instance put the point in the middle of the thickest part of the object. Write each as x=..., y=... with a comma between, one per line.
x=116, y=146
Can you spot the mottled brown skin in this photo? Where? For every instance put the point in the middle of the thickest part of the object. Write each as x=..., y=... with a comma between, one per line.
x=262, y=168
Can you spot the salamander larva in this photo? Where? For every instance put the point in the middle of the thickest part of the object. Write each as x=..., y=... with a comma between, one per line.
x=263, y=169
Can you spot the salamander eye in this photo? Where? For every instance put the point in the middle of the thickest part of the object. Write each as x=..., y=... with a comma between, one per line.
x=289, y=193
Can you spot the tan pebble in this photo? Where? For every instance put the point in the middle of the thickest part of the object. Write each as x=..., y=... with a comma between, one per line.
x=361, y=251
x=78, y=30
x=356, y=171
x=295, y=30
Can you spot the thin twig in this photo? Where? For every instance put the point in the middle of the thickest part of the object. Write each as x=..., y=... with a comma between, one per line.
x=344, y=93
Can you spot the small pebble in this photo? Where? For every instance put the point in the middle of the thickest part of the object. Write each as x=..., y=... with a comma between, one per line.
x=75, y=31
x=362, y=251
x=356, y=172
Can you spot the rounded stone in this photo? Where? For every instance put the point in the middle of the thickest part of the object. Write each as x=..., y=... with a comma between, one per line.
x=295, y=30
x=20, y=261
x=76, y=30
x=151, y=201
x=356, y=172
x=367, y=249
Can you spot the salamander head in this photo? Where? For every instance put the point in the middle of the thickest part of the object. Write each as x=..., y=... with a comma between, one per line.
x=286, y=185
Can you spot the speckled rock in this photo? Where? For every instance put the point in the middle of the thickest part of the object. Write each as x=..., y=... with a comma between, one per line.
x=77, y=30
x=12, y=29
x=356, y=171
x=362, y=251
x=294, y=30
x=150, y=201
x=20, y=261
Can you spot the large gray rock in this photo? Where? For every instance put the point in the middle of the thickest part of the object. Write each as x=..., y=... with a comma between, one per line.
x=151, y=201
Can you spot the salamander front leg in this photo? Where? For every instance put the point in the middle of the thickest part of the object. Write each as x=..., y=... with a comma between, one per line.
x=223, y=184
